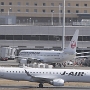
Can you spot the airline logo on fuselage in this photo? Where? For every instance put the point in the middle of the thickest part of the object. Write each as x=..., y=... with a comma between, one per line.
x=22, y=53
x=73, y=44
x=73, y=73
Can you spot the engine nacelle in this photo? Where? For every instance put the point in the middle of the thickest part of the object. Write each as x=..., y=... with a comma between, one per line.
x=23, y=61
x=57, y=82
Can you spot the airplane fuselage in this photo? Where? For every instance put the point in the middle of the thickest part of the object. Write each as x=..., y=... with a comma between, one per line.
x=46, y=56
x=35, y=74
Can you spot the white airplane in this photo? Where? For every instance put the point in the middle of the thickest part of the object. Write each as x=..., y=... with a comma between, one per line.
x=55, y=77
x=51, y=56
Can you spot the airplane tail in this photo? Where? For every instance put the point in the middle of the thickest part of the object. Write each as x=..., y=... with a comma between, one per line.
x=71, y=49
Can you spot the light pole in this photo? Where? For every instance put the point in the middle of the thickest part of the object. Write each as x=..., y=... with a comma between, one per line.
x=30, y=20
x=63, y=32
x=9, y=10
x=27, y=21
x=59, y=14
x=52, y=18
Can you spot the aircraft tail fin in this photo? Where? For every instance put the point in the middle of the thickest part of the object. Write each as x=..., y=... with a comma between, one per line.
x=71, y=49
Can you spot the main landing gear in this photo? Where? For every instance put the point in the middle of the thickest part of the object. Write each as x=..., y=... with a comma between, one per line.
x=40, y=85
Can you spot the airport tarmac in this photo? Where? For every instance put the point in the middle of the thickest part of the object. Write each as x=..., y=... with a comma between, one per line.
x=24, y=85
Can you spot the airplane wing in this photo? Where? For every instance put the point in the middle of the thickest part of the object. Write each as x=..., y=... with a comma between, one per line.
x=44, y=78
x=30, y=58
x=83, y=53
x=83, y=56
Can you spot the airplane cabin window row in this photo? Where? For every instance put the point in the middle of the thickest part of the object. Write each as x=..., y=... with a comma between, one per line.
x=34, y=72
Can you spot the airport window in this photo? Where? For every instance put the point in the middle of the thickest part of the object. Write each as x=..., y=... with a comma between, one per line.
x=60, y=4
x=67, y=38
x=77, y=11
x=44, y=4
x=52, y=37
x=10, y=3
x=27, y=10
x=52, y=4
x=2, y=3
x=68, y=11
x=80, y=38
x=44, y=37
x=2, y=37
x=27, y=3
x=60, y=11
x=17, y=37
x=86, y=38
x=18, y=3
x=2, y=10
x=35, y=10
x=69, y=4
x=18, y=10
x=85, y=4
x=10, y=10
x=9, y=37
x=77, y=4
x=85, y=11
x=26, y=37
x=35, y=4
x=43, y=10
x=34, y=37
x=52, y=10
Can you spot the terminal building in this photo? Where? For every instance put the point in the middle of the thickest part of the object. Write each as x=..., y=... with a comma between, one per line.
x=43, y=11
x=40, y=37
x=38, y=23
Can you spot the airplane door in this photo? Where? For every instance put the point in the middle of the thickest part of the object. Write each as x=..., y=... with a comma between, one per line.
x=1, y=73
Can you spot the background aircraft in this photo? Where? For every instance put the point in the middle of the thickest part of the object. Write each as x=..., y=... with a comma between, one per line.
x=51, y=56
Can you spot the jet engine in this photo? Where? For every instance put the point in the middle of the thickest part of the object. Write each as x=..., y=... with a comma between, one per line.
x=23, y=61
x=57, y=82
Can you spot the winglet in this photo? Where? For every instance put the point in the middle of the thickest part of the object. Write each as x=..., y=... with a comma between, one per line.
x=71, y=49
x=28, y=73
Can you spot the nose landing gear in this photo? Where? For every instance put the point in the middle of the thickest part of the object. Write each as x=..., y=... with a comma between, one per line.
x=40, y=85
